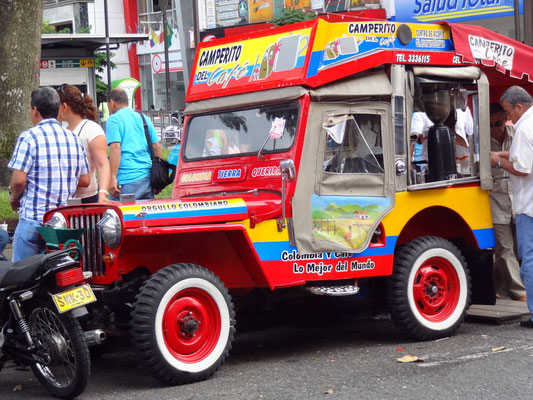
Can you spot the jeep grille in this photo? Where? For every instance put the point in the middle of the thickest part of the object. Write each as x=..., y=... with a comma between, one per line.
x=92, y=242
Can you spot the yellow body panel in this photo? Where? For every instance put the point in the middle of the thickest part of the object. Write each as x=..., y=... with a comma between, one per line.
x=470, y=202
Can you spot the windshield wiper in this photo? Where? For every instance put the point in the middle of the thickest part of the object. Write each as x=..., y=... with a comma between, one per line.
x=259, y=155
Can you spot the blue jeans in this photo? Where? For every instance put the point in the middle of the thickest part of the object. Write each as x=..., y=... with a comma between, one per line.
x=524, y=236
x=4, y=239
x=27, y=241
x=142, y=189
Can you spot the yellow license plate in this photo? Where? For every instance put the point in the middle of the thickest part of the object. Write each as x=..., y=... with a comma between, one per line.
x=74, y=298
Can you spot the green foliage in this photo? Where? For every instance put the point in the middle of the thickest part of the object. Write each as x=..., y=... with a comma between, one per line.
x=47, y=28
x=100, y=61
x=166, y=193
x=85, y=29
x=5, y=208
x=164, y=153
x=291, y=16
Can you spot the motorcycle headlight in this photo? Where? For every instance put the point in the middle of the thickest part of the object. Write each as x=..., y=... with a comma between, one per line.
x=57, y=221
x=111, y=228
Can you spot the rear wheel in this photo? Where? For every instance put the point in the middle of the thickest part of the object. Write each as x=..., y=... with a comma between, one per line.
x=60, y=338
x=183, y=323
x=429, y=289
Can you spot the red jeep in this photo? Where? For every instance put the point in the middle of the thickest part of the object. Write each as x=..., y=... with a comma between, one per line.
x=296, y=173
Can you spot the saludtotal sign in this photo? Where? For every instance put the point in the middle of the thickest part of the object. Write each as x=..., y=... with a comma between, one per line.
x=453, y=10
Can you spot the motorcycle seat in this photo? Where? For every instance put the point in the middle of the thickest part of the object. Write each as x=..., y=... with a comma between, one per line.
x=15, y=273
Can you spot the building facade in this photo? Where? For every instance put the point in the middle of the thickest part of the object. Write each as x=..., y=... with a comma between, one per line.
x=88, y=17
x=145, y=61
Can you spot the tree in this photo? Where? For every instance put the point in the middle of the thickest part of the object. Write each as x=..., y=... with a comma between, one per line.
x=20, y=53
x=100, y=62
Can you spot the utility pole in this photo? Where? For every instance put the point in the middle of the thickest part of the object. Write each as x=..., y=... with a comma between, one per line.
x=187, y=23
x=167, y=63
x=517, y=34
x=108, y=67
x=528, y=23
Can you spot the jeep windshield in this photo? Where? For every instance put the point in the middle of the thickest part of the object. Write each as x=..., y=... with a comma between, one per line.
x=270, y=128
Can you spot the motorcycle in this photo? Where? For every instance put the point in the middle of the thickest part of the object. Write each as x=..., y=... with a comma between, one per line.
x=41, y=299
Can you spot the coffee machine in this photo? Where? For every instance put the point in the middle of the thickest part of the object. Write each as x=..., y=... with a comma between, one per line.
x=441, y=150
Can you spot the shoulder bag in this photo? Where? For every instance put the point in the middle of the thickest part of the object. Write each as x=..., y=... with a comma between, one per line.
x=159, y=174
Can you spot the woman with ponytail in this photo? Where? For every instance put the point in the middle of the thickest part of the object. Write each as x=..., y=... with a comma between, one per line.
x=79, y=112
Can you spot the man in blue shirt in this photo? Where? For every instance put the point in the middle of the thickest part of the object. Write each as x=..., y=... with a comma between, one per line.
x=49, y=164
x=129, y=152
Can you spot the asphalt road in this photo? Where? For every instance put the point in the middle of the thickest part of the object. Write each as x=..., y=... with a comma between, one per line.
x=320, y=356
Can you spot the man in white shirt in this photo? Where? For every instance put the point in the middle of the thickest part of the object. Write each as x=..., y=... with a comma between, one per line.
x=518, y=161
x=420, y=124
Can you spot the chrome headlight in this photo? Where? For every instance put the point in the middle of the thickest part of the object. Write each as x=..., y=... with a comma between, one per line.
x=57, y=221
x=111, y=228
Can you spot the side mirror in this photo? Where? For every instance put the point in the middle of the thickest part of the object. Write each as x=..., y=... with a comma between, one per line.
x=288, y=171
x=288, y=174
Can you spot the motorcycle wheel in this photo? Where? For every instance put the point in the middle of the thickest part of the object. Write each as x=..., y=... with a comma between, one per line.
x=61, y=337
x=183, y=324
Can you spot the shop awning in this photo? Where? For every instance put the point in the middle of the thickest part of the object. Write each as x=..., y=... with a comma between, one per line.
x=88, y=42
x=490, y=49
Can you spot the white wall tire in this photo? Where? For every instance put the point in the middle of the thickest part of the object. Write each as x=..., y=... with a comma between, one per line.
x=429, y=289
x=183, y=323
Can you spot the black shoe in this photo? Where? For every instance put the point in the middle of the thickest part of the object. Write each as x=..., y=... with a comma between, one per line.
x=526, y=324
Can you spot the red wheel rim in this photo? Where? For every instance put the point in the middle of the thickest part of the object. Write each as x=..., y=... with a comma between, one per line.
x=436, y=289
x=191, y=325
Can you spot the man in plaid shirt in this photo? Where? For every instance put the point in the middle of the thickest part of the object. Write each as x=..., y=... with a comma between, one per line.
x=48, y=164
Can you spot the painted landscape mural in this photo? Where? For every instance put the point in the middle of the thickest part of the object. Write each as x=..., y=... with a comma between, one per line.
x=346, y=220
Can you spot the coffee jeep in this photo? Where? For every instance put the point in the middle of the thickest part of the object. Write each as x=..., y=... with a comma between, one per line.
x=297, y=174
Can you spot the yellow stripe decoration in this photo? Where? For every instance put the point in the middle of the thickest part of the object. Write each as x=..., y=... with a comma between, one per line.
x=470, y=202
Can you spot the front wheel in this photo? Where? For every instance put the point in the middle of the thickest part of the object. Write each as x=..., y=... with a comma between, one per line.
x=183, y=323
x=60, y=339
x=429, y=290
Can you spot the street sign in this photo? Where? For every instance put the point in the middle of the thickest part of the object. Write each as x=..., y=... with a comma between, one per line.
x=68, y=63
x=158, y=62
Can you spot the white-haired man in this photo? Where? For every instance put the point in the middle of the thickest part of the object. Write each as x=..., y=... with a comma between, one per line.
x=518, y=161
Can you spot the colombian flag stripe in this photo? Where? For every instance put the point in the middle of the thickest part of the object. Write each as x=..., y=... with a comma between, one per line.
x=185, y=209
x=188, y=214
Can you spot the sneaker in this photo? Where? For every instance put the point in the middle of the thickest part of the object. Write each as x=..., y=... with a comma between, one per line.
x=3, y=258
x=526, y=324
x=522, y=298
